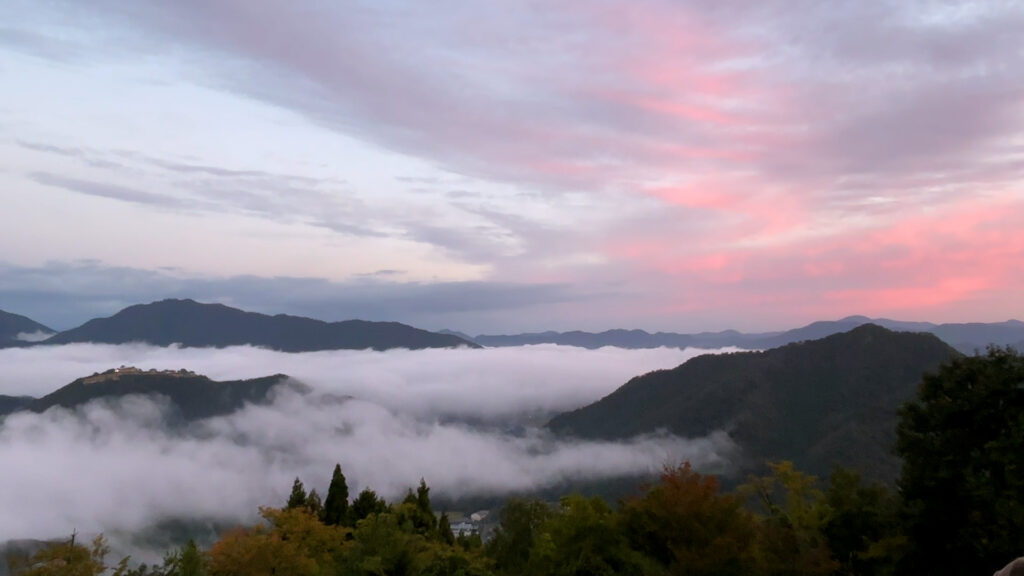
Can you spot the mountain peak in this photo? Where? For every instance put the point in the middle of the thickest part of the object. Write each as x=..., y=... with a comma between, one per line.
x=855, y=318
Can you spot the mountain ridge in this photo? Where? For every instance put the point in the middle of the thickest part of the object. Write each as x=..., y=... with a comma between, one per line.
x=965, y=337
x=193, y=324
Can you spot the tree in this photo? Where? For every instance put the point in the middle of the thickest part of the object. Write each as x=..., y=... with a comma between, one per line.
x=519, y=524
x=861, y=527
x=297, y=499
x=380, y=546
x=444, y=530
x=366, y=504
x=192, y=561
x=793, y=512
x=688, y=527
x=423, y=497
x=415, y=512
x=291, y=542
x=313, y=503
x=336, y=505
x=67, y=559
x=585, y=537
x=962, y=480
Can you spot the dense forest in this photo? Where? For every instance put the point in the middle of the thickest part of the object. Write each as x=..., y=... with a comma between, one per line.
x=958, y=508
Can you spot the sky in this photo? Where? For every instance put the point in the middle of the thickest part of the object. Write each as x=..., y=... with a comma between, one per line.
x=389, y=418
x=507, y=166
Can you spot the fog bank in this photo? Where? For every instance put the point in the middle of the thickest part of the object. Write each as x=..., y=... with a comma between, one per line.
x=114, y=465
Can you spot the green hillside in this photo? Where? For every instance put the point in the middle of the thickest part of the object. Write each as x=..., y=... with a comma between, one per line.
x=818, y=403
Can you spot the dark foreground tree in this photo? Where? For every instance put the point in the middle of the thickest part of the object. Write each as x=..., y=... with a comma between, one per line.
x=444, y=530
x=336, y=505
x=962, y=444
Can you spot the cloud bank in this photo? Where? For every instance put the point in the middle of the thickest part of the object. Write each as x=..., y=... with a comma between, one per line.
x=389, y=418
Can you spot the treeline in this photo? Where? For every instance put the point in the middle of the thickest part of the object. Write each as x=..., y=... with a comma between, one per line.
x=958, y=508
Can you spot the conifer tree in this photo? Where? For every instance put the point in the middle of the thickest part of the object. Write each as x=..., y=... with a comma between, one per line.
x=444, y=530
x=423, y=497
x=367, y=503
x=297, y=499
x=314, y=504
x=336, y=505
x=191, y=562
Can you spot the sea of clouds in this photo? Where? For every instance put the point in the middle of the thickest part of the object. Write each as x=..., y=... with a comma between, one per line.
x=467, y=421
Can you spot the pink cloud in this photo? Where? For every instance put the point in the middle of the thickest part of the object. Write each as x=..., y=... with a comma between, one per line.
x=962, y=256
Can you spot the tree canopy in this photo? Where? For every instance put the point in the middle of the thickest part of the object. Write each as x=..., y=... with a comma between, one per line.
x=962, y=481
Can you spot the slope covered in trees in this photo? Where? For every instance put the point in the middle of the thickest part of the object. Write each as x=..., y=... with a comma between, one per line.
x=818, y=403
x=190, y=323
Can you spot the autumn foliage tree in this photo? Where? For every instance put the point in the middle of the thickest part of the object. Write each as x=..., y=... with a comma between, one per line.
x=688, y=526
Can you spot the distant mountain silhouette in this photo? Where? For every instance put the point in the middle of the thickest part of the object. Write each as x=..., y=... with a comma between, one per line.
x=192, y=324
x=193, y=396
x=818, y=403
x=964, y=337
x=17, y=330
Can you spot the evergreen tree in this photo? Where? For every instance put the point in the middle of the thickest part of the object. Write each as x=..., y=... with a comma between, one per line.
x=191, y=561
x=314, y=504
x=336, y=505
x=297, y=499
x=444, y=530
x=415, y=513
x=366, y=504
x=423, y=497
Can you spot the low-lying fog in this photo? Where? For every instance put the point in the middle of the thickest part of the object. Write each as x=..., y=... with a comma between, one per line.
x=114, y=467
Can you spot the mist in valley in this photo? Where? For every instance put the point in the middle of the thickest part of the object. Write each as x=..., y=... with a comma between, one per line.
x=466, y=421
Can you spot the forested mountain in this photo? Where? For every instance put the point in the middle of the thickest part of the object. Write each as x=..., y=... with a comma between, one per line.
x=17, y=330
x=193, y=324
x=817, y=403
x=964, y=337
x=193, y=396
